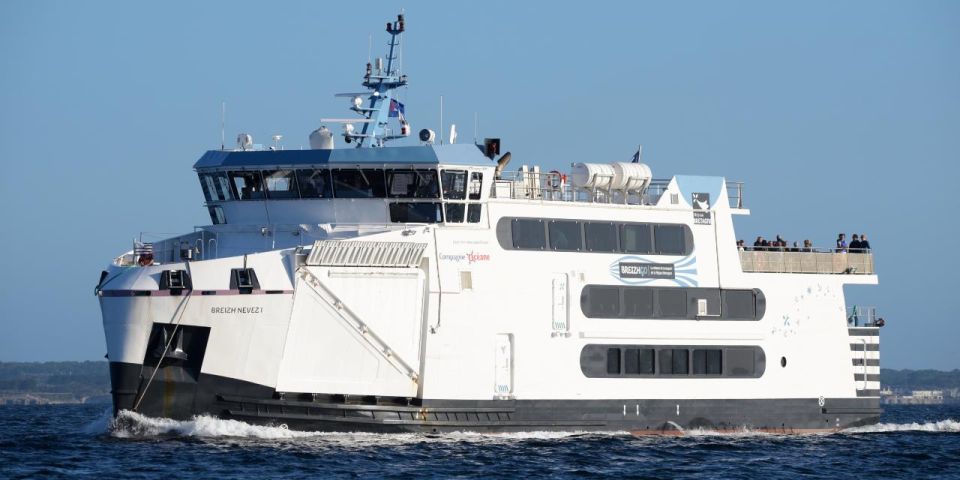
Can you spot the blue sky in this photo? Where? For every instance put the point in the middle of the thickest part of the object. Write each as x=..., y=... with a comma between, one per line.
x=839, y=116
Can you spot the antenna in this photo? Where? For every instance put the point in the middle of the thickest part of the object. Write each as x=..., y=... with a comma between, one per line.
x=223, y=121
x=369, y=47
x=476, y=120
x=441, y=119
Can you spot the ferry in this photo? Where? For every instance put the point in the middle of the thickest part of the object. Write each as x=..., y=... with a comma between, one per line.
x=436, y=287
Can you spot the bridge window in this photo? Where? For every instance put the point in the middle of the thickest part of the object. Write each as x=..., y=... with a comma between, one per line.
x=565, y=236
x=473, y=213
x=636, y=239
x=600, y=237
x=281, y=184
x=454, y=184
x=247, y=185
x=412, y=184
x=314, y=183
x=476, y=185
x=454, y=212
x=418, y=212
x=358, y=183
x=216, y=215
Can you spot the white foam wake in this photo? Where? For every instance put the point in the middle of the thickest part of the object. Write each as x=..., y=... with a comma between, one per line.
x=947, y=426
x=131, y=425
x=128, y=424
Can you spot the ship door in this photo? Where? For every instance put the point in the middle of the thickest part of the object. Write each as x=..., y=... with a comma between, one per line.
x=503, y=366
x=561, y=312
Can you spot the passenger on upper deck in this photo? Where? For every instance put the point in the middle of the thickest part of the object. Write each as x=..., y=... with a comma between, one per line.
x=807, y=246
x=855, y=244
x=760, y=243
x=741, y=246
x=864, y=243
x=842, y=243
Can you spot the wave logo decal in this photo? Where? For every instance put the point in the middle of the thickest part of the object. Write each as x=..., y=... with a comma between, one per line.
x=637, y=270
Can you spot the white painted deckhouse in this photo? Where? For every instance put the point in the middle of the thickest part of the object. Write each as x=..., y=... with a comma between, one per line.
x=434, y=287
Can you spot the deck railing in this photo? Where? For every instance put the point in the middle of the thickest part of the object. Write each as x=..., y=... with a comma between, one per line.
x=812, y=261
x=555, y=187
x=863, y=316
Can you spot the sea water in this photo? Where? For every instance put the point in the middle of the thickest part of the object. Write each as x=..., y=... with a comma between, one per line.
x=83, y=441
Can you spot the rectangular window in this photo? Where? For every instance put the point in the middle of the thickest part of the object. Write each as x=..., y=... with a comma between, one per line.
x=454, y=212
x=739, y=304
x=473, y=213
x=314, y=183
x=415, y=212
x=247, y=185
x=646, y=361
x=741, y=362
x=671, y=303
x=454, y=183
x=476, y=185
x=631, y=361
x=223, y=185
x=681, y=361
x=529, y=234
x=209, y=189
x=669, y=239
x=358, y=183
x=412, y=184
x=216, y=215
x=707, y=362
x=636, y=239
x=602, y=302
x=613, y=361
x=638, y=302
x=600, y=237
x=565, y=236
x=281, y=184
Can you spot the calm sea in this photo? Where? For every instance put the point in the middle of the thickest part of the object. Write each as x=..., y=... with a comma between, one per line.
x=78, y=441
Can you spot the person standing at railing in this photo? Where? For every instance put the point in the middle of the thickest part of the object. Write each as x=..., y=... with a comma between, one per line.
x=758, y=245
x=842, y=243
x=807, y=246
x=855, y=244
x=864, y=243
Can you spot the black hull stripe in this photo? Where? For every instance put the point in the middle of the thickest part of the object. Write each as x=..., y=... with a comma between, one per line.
x=870, y=347
x=871, y=362
x=868, y=393
x=871, y=377
x=864, y=332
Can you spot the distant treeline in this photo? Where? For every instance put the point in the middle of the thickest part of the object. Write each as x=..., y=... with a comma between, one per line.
x=919, y=379
x=82, y=379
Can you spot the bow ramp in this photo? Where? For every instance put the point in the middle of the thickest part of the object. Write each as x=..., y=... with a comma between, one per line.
x=357, y=320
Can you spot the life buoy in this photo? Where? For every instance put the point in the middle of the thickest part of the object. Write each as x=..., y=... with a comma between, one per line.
x=556, y=179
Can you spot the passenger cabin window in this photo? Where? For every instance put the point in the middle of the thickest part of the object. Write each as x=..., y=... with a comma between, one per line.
x=412, y=184
x=672, y=361
x=454, y=184
x=565, y=235
x=669, y=239
x=314, y=183
x=247, y=185
x=529, y=234
x=600, y=237
x=358, y=183
x=636, y=239
x=415, y=212
x=281, y=184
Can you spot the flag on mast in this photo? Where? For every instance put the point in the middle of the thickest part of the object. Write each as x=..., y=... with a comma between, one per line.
x=636, y=156
x=396, y=109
